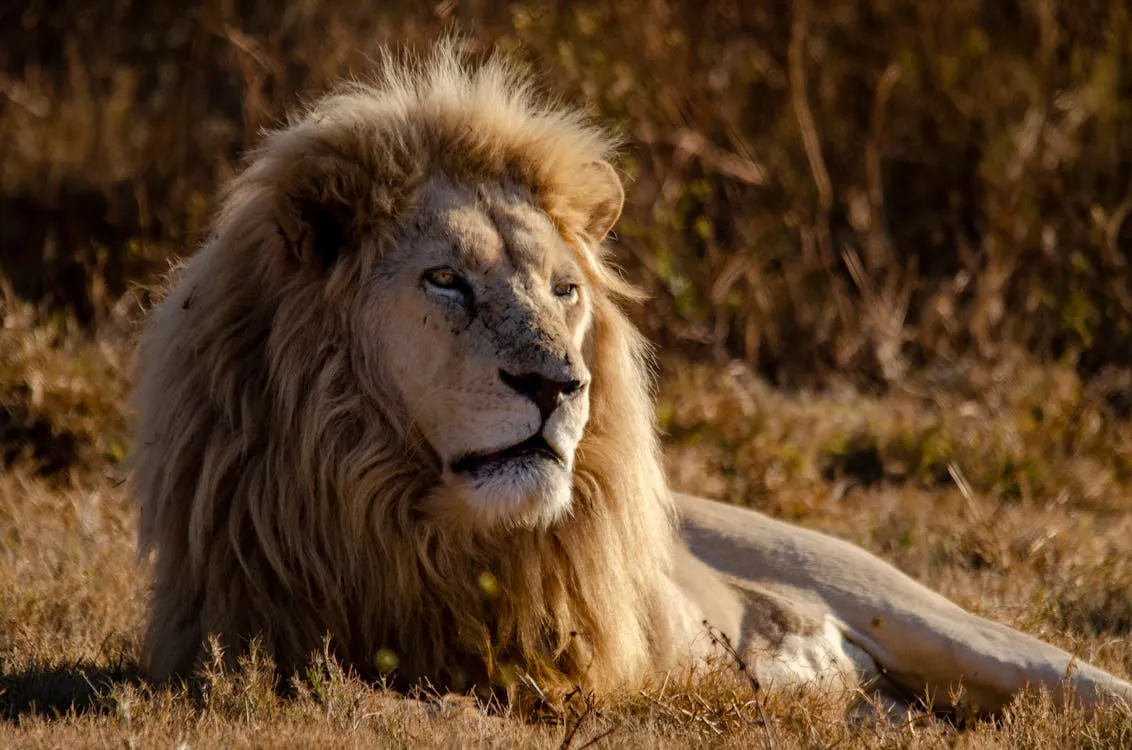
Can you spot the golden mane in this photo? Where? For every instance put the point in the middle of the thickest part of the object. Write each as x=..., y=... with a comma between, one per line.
x=279, y=498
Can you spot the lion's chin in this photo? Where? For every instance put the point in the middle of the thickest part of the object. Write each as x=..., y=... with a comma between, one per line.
x=528, y=494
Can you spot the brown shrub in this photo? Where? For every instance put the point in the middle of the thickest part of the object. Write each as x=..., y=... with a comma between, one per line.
x=817, y=188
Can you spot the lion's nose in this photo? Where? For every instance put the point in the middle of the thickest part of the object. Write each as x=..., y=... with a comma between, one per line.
x=547, y=393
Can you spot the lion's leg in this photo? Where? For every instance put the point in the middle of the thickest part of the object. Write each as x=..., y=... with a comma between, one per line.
x=783, y=638
x=921, y=641
x=173, y=637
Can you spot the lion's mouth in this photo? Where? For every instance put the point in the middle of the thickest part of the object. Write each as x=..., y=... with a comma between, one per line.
x=533, y=447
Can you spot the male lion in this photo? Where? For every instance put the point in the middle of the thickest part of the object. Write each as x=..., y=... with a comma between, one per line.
x=394, y=399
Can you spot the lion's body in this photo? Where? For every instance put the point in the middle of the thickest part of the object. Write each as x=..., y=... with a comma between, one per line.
x=870, y=618
x=393, y=400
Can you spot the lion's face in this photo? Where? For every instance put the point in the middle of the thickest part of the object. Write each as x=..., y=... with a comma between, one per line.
x=483, y=320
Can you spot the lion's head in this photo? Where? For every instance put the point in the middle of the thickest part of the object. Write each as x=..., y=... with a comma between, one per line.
x=393, y=398
x=481, y=325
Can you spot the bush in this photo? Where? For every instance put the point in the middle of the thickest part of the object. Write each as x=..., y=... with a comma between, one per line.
x=833, y=188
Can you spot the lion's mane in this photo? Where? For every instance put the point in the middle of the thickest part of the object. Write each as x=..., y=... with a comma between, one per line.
x=279, y=500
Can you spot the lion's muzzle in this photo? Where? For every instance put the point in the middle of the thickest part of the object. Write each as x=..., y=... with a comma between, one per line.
x=546, y=392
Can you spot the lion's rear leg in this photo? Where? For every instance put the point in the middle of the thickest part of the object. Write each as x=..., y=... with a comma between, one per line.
x=922, y=642
x=787, y=642
x=785, y=639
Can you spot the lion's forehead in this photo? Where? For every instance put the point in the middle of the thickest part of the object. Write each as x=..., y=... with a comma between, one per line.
x=495, y=228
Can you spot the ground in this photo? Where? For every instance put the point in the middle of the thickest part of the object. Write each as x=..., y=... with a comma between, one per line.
x=1005, y=489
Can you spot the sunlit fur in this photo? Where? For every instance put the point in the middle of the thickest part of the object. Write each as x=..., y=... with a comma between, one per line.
x=279, y=499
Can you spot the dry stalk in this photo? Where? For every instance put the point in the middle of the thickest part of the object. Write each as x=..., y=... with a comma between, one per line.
x=719, y=638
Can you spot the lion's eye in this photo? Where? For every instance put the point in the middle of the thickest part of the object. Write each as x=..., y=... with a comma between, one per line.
x=442, y=278
x=446, y=283
x=566, y=290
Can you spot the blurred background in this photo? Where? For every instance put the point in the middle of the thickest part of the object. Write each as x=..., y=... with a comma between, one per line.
x=835, y=188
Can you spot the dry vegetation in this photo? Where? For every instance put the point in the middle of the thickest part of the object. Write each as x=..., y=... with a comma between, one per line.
x=920, y=479
x=887, y=246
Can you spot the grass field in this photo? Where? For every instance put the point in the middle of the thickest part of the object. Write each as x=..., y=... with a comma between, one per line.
x=1006, y=489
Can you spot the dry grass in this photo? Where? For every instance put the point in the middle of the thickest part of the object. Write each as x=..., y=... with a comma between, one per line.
x=957, y=480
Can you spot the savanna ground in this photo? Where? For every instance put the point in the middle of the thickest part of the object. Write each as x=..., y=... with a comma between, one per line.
x=887, y=251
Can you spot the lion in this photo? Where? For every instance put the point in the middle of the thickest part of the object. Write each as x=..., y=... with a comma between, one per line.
x=394, y=402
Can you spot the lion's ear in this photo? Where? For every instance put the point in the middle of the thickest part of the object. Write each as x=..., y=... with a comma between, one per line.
x=321, y=208
x=608, y=198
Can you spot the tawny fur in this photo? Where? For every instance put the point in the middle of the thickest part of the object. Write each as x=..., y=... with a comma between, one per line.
x=287, y=493
x=280, y=500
